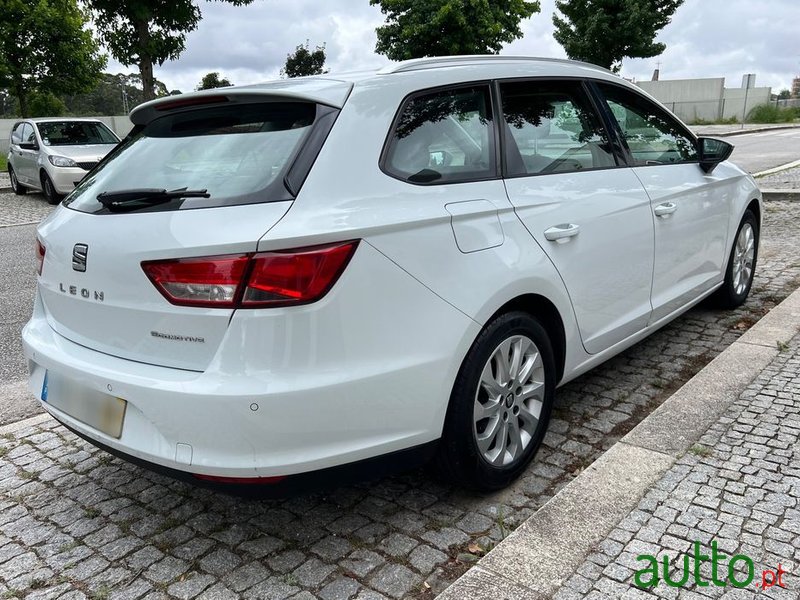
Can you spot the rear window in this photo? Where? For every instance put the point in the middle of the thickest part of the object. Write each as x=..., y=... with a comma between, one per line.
x=75, y=133
x=238, y=153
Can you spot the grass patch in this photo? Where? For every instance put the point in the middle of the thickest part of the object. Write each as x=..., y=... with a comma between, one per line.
x=700, y=450
x=3, y=163
x=728, y=121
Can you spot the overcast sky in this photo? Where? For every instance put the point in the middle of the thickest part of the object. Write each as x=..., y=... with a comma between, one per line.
x=707, y=38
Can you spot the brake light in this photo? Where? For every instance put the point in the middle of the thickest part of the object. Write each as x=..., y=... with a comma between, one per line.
x=262, y=280
x=196, y=101
x=40, y=250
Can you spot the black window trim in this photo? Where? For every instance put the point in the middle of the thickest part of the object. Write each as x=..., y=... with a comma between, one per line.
x=494, y=137
x=608, y=116
x=617, y=149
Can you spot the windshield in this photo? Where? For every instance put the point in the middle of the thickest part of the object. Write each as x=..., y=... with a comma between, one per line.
x=237, y=153
x=75, y=133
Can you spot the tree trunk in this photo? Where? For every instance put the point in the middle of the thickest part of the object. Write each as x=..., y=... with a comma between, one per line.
x=22, y=98
x=145, y=60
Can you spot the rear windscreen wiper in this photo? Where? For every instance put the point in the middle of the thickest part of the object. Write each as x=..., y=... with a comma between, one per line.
x=125, y=200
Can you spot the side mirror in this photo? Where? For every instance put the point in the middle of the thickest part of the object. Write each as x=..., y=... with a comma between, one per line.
x=712, y=152
x=29, y=146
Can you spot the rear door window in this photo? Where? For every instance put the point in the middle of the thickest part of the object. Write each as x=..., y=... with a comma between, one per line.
x=444, y=136
x=551, y=127
x=16, y=133
x=238, y=153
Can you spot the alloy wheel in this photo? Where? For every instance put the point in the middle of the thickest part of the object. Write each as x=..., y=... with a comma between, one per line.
x=743, y=257
x=509, y=400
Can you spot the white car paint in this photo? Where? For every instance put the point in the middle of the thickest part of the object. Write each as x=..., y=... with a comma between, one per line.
x=369, y=368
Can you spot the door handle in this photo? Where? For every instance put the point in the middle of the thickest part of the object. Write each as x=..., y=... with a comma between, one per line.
x=562, y=233
x=665, y=209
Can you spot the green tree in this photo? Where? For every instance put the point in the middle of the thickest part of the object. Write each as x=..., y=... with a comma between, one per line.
x=44, y=46
x=212, y=80
x=305, y=62
x=603, y=32
x=147, y=32
x=784, y=95
x=46, y=104
x=417, y=28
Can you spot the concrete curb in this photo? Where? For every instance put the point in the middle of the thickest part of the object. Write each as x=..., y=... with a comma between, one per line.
x=538, y=556
x=780, y=195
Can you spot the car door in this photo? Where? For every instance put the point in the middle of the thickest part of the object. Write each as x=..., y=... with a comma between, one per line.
x=587, y=210
x=690, y=208
x=26, y=157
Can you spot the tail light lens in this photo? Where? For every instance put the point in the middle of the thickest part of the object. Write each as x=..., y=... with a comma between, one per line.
x=40, y=250
x=260, y=280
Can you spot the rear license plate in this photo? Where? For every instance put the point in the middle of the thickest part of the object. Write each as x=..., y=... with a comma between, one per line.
x=96, y=409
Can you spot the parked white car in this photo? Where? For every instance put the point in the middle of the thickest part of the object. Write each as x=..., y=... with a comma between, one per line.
x=271, y=280
x=52, y=155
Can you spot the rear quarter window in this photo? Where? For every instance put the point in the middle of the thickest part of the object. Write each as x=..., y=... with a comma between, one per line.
x=445, y=136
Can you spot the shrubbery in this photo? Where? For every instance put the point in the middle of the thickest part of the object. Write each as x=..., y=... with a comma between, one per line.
x=769, y=113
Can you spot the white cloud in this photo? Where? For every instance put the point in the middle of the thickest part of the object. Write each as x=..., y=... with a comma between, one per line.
x=707, y=38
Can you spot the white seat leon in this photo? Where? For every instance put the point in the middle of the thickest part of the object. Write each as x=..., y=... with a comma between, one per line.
x=276, y=280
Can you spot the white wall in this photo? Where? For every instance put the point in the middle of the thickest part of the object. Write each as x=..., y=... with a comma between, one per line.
x=120, y=125
x=708, y=99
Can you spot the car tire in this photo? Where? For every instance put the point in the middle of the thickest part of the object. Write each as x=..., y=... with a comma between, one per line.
x=741, y=264
x=479, y=448
x=49, y=191
x=16, y=186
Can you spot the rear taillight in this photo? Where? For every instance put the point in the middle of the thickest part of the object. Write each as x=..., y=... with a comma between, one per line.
x=260, y=280
x=40, y=250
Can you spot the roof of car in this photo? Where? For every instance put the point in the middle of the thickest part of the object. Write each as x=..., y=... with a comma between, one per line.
x=60, y=119
x=334, y=88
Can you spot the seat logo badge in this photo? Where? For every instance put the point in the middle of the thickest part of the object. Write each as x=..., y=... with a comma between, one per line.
x=79, y=253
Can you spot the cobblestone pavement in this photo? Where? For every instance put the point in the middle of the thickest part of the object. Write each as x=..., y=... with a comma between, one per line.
x=738, y=487
x=75, y=522
x=787, y=179
x=22, y=210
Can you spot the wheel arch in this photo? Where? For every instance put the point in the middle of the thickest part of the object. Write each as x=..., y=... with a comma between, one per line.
x=543, y=309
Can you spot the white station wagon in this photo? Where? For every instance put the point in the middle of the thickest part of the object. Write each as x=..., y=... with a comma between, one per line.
x=278, y=280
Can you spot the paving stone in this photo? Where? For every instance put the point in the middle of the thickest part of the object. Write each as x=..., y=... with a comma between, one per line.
x=167, y=569
x=395, y=580
x=220, y=562
x=342, y=588
x=190, y=586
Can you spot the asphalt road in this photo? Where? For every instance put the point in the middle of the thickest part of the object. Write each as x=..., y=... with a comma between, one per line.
x=757, y=152
x=754, y=152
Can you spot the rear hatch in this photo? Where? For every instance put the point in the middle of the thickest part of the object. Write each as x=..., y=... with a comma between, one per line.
x=239, y=162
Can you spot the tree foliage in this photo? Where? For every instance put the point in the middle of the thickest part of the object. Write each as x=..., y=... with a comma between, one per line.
x=212, y=80
x=113, y=95
x=44, y=46
x=603, y=32
x=303, y=61
x=417, y=28
x=147, y=32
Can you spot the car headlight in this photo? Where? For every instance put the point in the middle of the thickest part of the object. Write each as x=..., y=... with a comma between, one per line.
x=62, y=161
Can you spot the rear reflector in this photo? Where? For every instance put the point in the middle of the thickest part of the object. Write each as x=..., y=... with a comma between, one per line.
x=40, y=250
x=262, y=280
x=240, y=480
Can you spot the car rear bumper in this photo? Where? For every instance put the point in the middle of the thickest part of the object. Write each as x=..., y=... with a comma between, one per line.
x=302, y=414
